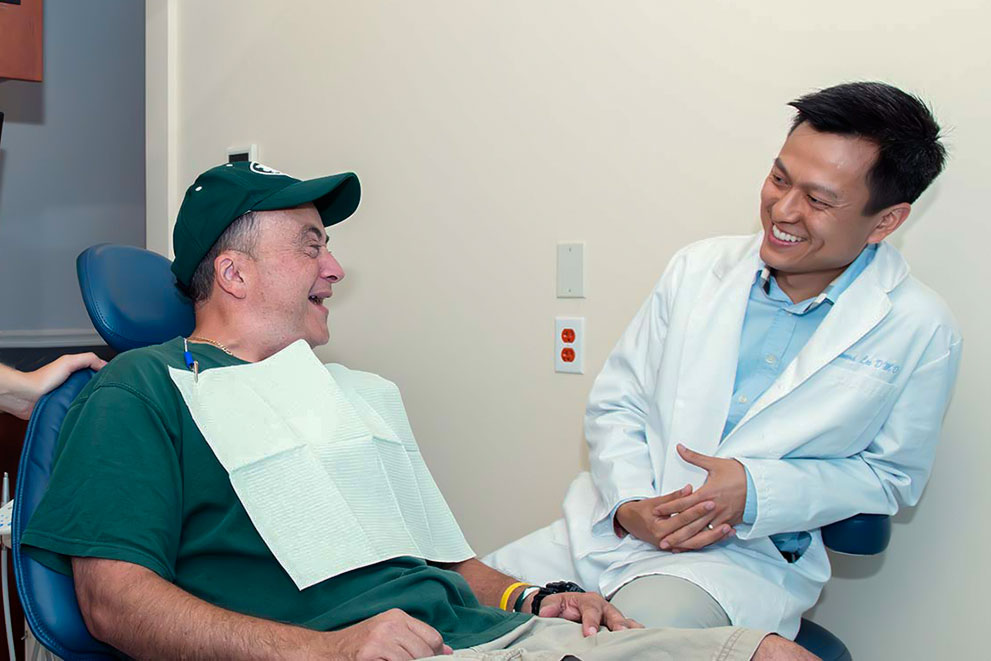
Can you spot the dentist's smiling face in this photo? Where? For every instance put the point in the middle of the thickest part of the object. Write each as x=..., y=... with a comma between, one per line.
x=812, y=206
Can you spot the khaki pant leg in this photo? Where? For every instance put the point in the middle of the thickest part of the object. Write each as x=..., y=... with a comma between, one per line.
x=658, y=601
x=550, y=639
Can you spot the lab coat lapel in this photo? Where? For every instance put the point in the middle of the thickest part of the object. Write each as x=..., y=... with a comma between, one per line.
x=859, y=309
x=712, y=347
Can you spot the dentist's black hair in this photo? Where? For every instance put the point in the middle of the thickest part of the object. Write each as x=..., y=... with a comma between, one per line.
x=910, y=154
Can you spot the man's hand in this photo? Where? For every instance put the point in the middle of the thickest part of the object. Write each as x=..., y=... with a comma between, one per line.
x=640, y=518
x=588, y=608
x=726, y=487
x=392, y=635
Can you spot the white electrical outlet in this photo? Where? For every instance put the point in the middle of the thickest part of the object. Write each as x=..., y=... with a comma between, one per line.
x=569, y=345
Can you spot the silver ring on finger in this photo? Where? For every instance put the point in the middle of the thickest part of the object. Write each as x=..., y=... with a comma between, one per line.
x=709, y=526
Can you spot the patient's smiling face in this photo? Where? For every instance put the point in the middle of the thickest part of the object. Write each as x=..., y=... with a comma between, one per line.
x=292, y=276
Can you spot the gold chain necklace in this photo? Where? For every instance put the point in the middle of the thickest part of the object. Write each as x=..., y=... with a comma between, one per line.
x=196, y=338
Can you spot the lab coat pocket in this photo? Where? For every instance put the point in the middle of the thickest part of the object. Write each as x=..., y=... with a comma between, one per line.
x=871, y=376
x=857, y=386
x=840, y=408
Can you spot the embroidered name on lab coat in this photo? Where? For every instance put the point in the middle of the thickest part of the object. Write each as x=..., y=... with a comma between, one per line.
x=873, y=362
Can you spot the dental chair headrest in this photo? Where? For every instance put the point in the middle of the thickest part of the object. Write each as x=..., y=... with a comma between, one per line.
x=130, y=296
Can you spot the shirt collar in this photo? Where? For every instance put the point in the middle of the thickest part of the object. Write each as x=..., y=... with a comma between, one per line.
x=834, y=288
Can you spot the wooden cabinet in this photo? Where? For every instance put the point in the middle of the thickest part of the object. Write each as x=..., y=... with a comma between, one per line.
x=21, y=39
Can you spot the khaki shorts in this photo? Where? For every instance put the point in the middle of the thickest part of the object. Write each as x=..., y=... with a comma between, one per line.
x=552, y=639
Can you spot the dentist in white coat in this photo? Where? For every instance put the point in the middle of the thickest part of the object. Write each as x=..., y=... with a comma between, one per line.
x=770, y=385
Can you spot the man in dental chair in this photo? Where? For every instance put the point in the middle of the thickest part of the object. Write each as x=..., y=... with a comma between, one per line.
x=783, y=381
x=227, y=496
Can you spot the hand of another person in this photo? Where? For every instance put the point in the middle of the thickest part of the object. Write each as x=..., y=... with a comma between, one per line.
x=392, y=635
x=640, y=519
x=589, y=608
x=26, y=388
x=725, y=486
x=55, y=373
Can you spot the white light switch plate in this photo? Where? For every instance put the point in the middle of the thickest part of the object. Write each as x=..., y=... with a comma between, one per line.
x=571, y=270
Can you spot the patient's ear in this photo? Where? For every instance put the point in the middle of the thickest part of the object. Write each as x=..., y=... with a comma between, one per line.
x=229, y=273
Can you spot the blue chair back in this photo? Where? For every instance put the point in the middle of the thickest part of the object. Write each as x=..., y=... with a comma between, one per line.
x=131, y=298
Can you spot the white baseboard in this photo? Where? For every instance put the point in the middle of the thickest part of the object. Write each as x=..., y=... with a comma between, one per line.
x=49, y=337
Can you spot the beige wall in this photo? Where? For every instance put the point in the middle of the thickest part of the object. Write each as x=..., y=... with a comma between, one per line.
x=486, y=132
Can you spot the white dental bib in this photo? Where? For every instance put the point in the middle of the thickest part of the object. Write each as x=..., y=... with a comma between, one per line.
x=324, y=461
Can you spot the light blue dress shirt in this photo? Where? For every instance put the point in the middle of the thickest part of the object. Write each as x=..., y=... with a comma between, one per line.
x=774, y=332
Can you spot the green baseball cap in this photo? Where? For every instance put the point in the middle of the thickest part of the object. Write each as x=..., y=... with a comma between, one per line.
x=222, y=194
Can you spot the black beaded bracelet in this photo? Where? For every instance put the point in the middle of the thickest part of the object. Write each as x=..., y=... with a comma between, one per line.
x=557, y=587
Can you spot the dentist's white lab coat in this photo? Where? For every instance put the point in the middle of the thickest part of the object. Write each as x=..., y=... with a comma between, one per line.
x=849, y=427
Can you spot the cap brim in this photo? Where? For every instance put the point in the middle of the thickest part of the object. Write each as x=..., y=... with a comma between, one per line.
x=336, y=197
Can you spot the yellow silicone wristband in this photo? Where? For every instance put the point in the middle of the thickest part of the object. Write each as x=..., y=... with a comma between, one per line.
x=504, y=602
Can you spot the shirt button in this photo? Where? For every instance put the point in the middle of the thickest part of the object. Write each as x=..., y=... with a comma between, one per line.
x=771, y=359
x=742, y=399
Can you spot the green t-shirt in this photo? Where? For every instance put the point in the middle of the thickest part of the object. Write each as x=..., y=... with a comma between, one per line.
x=134, y=480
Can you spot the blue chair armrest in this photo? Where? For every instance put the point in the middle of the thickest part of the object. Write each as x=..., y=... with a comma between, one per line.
x=864, y=534
x=821, y=642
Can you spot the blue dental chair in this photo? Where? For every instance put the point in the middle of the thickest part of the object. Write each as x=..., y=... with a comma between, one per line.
x=130, y=296
x=864, y=534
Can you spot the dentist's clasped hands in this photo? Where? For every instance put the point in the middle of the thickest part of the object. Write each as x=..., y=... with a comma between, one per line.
x=687, y=519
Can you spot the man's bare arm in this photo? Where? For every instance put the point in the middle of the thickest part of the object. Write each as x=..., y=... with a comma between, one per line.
x=589, y=608
x=488, y=584
x=136, y=611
